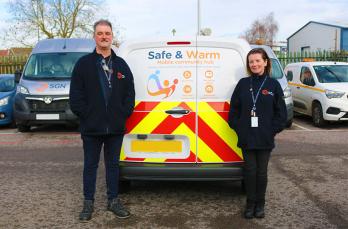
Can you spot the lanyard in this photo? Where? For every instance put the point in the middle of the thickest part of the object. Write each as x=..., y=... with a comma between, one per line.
x=107, y=70
x=257, y=95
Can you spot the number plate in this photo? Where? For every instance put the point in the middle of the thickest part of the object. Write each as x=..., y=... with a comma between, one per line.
x=47, y=117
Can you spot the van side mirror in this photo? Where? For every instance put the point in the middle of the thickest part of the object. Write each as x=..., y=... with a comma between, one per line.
x=18, y=74
x=289, y=76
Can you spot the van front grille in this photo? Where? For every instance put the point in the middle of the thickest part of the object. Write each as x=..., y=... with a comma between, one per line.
x=54, y=106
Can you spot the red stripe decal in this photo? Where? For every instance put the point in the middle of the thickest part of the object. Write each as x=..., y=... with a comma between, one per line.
x=146, y=106
x=216, y=143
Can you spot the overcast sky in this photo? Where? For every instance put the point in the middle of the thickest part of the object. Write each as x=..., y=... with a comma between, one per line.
x=146, y=18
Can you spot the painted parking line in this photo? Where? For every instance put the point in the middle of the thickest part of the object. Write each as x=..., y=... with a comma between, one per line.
x=345, y=131
x=43, y=133
x=11, y=143
x=301, y=127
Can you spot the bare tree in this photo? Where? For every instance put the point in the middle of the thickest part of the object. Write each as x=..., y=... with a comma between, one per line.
x=51, y=19
x=262, y=31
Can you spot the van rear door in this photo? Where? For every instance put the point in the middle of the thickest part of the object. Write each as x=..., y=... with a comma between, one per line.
x=220, y=65
x=162, y=128
x=182, y=100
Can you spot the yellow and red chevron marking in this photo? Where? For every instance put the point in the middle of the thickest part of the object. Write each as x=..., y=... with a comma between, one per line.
x=214, y=143
x=214, y=131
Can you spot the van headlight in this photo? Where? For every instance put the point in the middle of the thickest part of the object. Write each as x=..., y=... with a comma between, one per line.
x=4, y=101
x=22, y=90
x=287, y=92
x=333, y=94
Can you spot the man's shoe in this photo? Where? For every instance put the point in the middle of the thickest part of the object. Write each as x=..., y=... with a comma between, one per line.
x=259, y=211
x=86, y=213
x=249, y=211
x=118, y=209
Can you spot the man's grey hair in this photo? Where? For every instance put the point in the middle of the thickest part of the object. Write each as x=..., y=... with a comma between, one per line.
x=101, y=22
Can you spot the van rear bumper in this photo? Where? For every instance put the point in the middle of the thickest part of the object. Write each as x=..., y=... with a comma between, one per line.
x=182, y=171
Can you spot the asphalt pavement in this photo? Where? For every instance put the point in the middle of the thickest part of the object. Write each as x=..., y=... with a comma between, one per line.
x=41, y=186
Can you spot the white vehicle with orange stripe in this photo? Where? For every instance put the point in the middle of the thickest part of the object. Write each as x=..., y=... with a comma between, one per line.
x=179, y=127
x=320, y=89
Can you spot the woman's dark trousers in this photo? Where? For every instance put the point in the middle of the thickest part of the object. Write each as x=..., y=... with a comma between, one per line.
x=255, y=175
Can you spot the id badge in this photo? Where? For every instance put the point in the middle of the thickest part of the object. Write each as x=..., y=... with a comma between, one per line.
x=254, y=122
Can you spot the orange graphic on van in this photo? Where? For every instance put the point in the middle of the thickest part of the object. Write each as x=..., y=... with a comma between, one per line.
x=164, y=89
x=42, y=87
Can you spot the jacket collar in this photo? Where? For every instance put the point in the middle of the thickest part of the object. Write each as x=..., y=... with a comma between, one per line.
x=113, y=54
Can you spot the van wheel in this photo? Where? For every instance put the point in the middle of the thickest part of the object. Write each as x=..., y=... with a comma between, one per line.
x=288, y=124
x=23, y=128
x=124, y=186
x=317, y=115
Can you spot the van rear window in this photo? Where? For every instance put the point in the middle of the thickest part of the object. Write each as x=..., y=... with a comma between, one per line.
x=51, y=65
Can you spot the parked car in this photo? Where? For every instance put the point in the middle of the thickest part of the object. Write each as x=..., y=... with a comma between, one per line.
x=278, y=74
x=320, y=90
x=7, y=93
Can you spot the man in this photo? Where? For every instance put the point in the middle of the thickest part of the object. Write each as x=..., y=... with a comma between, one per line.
x=102, y=96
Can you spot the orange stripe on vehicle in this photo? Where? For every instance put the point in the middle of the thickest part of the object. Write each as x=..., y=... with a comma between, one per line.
x=306, y=86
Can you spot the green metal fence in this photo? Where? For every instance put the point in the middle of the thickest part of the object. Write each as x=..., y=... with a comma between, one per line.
x=10, y=64
x=287, y=58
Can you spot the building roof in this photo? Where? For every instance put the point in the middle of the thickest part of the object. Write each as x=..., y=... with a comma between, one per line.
x=20, y=51
x=4, y=52
x=334, y=24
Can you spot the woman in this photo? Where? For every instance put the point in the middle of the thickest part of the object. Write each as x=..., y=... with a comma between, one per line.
x=257, y=114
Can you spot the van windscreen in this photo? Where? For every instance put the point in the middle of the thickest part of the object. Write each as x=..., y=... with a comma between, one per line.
x=331, y=73
x=7, y=84
x=51, y=65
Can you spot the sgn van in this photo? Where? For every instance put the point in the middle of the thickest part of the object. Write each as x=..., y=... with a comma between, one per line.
x=179, y=128
x=43, y=91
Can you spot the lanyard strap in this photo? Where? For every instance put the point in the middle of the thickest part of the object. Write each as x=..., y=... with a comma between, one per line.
x=258, y=92
x=107, y=68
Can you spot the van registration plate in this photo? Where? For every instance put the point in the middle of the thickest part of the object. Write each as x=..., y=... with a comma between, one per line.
x=47, y=117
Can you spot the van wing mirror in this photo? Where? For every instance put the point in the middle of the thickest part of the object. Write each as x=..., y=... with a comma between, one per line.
x=289, y=76
x=18, y=74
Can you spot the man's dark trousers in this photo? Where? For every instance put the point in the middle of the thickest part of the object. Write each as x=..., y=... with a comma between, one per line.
x=255, y=174
x=92, y=145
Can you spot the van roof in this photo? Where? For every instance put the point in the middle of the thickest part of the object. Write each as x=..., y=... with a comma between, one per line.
x=64, y=45
x=268, y=50
x=236, y=43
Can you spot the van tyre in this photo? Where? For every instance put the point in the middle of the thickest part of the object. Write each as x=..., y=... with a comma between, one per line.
x=23, y=128
x=288, y=124
x=317, y=115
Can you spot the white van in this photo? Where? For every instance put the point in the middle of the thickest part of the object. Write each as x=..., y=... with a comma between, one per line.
x=320, y=90
x=43, y=90
x=179, y=127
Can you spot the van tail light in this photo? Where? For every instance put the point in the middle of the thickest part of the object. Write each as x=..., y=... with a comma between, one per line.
x=178, y=43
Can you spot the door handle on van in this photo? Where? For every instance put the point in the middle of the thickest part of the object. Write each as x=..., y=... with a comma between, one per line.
x=180, y=112
x=177, y=111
